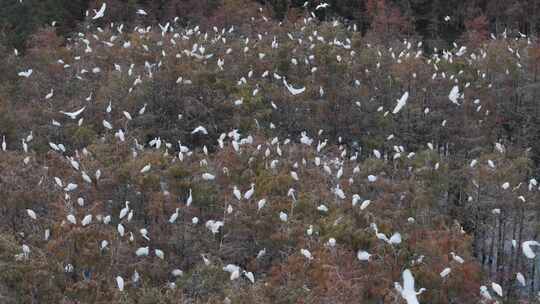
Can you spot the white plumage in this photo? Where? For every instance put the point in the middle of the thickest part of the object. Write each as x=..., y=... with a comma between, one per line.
x=521, y=279
x=86, y=220
x=71, y=218
x=200, y=129
x=101, y=12
x=527, y=250
x=363, y=255
x=454, y=95
x=146, y=168
x=497, y=288
x=73, y=115
x=445, y=272
x=120, y=283
x=401, y=103
x=306, y=253
x=407, y=291
x=31, y=214
x=142, y=251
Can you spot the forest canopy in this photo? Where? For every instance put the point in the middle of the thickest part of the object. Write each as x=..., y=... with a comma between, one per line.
x=426, y=18
x=245, y=151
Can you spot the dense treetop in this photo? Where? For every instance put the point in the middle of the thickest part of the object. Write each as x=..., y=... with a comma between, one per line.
x=207, y=152
x=19, y=19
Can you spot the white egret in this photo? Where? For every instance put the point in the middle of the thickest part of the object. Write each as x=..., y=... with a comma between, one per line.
x=237, y=194
x=146, y=168
x=26, y=73
x=124, y=210
x=208, y=176
x=142, y=251
x=283, y=216
x=365, y=204
x=174, y=216
x=31, y=214
x=408, y=291
x=261, y=203
x=521, y=279
x=121, y=230
x=86, y=220
x=71, y=218
x=250, y=192
x=454, y=95
x=363, y=255
x=306, y=253
x=200, y=129
x=457, y=258
x=527, y=250
x=401, y=103
x=159, y=253
x=445, y=272
x=73, y=115
x=234, y=270
x=214, y=226
x=101, y=12
x=190, y=198
x=249, y=275
x=497, y=288
x=107, y=125
x=120, y=283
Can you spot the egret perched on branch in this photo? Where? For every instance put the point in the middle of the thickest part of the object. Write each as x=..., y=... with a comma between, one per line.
x=159, y=253
x=233, y=270
x=457, y=258
x=363, y=255
x=146, y=168
x=445, y=272
x=31, y=214
x=190, y=198
x=127, y=115
x=121, y=230
x=250, y=192
x=497, y=288
x=521, y=279
x=26, y=73
x=401, y=103
x=71, y=218
x=208, y=176
x=283, y=216
x=120, y=283
x=306, y=254
x=261, y=204
x=49, y=95
x=86, y=220
x=174, y=216
x=249, y=275
x=365, y=204
x=454, y=95
x=527, y=250
x=107, y=124
x=124, y=210
x=142, y=251
x=237, y=193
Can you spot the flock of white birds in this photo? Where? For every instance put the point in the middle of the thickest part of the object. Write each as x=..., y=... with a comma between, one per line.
x=273, y=150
